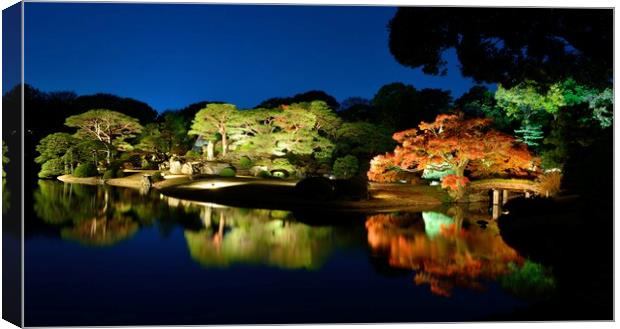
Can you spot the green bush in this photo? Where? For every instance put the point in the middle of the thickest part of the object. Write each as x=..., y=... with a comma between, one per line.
x=192, y=154
x=108, y=174
x=264, y=174
x=52, y=168
x=156, y=177
x=245, y=163
x=346, y=167
x=134, y=160
x=283, y=164
x=228, y=172
x=532, y=280
x=87, y=169
x=120, y=173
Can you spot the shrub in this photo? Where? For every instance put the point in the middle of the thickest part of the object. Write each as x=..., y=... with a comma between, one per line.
x=264, y=174
x=532, y=280
x=318, y=188
x=87, y=169
x=228, y=172
x=355, y=188
x=134, y=160
x=156, y=177
x=346, y=167
x=120, y=173
x=549, y=183
x=108, y=174
x=245, y=162
x=283, y=164
x=145, y=164
x=52, y=168
x=192, y=154
x=456, y=185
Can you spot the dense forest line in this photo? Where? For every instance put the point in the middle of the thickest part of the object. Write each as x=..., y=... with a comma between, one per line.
x=305, y=134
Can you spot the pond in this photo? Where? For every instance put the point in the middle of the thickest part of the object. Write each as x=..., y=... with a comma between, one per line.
x=113, y=256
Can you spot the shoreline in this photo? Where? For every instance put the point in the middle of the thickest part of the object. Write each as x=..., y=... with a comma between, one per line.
x=251, y=192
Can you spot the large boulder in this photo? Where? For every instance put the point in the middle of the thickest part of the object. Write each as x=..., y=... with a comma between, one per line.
x=190, y=168
x=213, y=168
x=187, y=169
x=256, y=170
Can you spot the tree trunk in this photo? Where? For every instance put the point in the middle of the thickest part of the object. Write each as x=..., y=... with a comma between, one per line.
x=210, y=151
x=224, y=141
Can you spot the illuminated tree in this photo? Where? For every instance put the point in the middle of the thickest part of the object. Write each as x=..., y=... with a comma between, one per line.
x=293, y=129
x=108, y=127
x=5, y=158
x=457, y=144
x=215, y=119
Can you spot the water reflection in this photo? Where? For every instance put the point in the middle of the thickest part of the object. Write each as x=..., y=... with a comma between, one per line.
x=102, y=216
x=454, y=248
x=216, y=236
x=257, y=236
x=445, y=250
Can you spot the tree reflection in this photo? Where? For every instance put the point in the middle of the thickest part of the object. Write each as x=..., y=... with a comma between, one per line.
x=101, y=231
x=257, y=236
x=445, y=250
x=104, y=216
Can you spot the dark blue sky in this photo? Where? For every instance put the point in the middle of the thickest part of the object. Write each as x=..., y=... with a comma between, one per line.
x=172, y=55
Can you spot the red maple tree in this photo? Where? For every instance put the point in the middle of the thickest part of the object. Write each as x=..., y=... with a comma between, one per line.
x=458, y=144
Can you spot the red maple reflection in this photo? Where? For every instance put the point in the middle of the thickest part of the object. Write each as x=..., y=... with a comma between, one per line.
x=456, y=257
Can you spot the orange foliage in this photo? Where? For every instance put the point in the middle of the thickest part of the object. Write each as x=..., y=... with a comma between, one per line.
x=460, y=144
x=455, y=257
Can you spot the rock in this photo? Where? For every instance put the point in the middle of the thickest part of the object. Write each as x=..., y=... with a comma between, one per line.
x=213, y=168
x=187, y=169
x=256, y=170
x=175, y=167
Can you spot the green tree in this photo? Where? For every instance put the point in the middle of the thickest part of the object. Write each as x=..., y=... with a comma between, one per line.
x=5, y=158
x=214, y=119
x=479, y=102
x=54, y=146
x=363, y=139
x=346, y=167
x=108, y=127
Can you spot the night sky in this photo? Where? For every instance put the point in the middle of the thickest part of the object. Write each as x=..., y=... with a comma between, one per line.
x=172, y=55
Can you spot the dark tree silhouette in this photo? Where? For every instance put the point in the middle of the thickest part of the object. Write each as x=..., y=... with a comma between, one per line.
x=309, y=96
x=189, y=112
x=137, y=109
x=507, y=45
x=402, y=106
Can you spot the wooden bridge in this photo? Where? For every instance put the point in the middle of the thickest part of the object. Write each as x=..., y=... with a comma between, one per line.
x=502, y=188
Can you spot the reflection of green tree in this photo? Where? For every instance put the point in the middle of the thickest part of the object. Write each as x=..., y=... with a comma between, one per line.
x=531, y=280
x=258, y=237
x=101, y=232
x=57, y=203
x=6, y=201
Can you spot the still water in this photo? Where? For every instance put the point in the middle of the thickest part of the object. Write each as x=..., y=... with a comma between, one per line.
x=113, y=256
